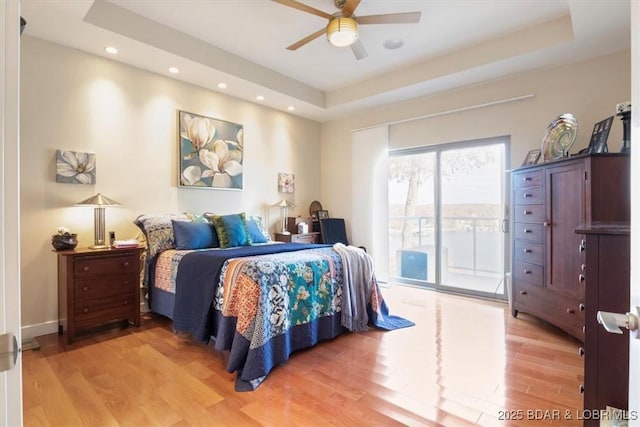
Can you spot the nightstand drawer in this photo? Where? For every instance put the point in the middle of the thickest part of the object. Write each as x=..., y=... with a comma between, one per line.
x=305, y=238
x=117, y=307
x=99, y=287
x=85, y=266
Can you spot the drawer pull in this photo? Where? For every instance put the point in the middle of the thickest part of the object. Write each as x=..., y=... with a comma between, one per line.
x=528, y=271
x=526, y=230
x=85, y=288
x=85, y=310
x=526, y=212
x=527, y=195
x=581, y=277
x=527, y=251
x=582, y=245
x=86, y=268
x=546, y=223
x=581, y=352
x=125, y=264
x=570, y=310
x=526, y=178
x=125, y=302
x=523, y=292
x=581, y=389
x=581, y=306
x=125, y=282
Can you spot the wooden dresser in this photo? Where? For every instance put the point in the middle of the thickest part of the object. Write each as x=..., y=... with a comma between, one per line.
x=549, y=201
x=96, y=287
x=606, y=355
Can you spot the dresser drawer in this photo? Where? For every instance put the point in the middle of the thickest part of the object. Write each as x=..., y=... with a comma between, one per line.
x=105, y=286
x=529, y=213
x=531, y=273
x=531, y=178
x=528, y=195
x=111, y=308
x=530, y=252
x=528, y=298
x=566, y=313
x=107, y=264
x=528, y=231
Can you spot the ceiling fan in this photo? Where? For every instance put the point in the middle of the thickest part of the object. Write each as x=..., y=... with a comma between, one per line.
x=342, y=29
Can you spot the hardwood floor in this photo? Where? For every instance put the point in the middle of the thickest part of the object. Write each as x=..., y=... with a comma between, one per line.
x=466, y=362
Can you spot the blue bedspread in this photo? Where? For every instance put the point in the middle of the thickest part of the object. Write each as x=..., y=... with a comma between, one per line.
x=197, y=279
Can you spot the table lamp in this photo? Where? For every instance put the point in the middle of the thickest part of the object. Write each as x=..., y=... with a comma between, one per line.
x=284, y=205
x=99, y=202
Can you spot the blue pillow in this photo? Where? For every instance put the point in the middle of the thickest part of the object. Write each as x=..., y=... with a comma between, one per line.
x=232, y=230
x=194, y=235
x=255, y=231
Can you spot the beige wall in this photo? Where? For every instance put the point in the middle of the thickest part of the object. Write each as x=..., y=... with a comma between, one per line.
x=590, y=90
x=71, y=100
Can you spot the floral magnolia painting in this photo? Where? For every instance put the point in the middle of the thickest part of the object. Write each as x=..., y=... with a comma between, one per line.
x=211, y=152
x=73, y=167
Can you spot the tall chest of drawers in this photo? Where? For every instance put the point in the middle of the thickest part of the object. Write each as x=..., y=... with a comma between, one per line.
x=96, y=287
x=549, y=201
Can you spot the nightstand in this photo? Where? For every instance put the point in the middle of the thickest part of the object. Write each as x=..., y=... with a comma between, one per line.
x=298, y=238
x=96, y=287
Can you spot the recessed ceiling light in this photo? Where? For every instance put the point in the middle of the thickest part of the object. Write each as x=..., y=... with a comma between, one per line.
x=222, y=85
x=260, y=98
x=110, y=49
x=174, y=70
x=291, y=108
x=393, y=44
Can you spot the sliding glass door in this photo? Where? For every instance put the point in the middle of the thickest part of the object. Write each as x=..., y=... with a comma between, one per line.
x=446, y=217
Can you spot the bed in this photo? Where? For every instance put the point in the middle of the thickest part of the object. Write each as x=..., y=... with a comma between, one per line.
x=259, y=300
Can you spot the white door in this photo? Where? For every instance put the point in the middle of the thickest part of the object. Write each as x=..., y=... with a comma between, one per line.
x=11, y=380
x=634, y=347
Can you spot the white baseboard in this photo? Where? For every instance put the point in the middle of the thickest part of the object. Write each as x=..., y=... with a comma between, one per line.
x=45, y=328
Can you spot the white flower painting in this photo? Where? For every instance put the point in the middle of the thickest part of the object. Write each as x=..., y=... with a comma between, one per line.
x=73, y=167
x=211, y=152
x=286, y=182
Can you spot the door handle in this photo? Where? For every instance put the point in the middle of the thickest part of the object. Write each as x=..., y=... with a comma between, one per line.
x=8, y=351
x=613, y=322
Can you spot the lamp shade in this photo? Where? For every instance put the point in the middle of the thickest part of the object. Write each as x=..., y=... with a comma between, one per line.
x=342, y=31
x=98, y=200
x=284, y=203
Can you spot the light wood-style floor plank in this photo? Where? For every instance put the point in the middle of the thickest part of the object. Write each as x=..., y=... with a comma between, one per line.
x=466, y=362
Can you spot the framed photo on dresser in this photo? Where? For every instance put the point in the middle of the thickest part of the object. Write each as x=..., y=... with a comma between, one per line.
x=598, y=142
x=532, y=157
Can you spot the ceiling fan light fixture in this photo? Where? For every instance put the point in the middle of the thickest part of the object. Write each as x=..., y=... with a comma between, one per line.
x=342, y=31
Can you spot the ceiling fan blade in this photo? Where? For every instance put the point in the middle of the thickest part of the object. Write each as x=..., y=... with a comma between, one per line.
x=390, y=18
x=303, y=7
x=307, y=39
x=358, y=50
x=350, y=7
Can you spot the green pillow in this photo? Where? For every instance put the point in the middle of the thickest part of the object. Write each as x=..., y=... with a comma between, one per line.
x=232, y=230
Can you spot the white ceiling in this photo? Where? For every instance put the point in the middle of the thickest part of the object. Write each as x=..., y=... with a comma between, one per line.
x=242, y=43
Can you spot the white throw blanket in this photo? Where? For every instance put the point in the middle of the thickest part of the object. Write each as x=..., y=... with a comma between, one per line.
x=358, y=277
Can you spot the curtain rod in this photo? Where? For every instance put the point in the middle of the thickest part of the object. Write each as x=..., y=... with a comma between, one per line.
x=443, y=113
